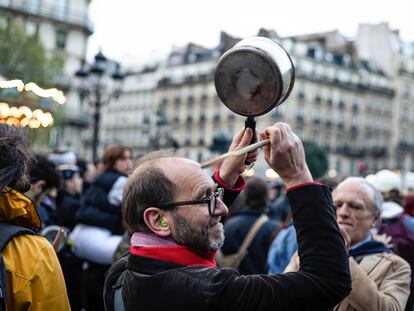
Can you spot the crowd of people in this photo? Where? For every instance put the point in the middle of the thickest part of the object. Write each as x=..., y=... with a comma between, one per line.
x=163, y=233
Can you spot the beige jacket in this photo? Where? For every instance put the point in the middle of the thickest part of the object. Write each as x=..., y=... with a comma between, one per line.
x=380, y=282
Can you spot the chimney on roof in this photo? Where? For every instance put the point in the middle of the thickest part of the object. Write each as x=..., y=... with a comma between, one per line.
x=271, y=34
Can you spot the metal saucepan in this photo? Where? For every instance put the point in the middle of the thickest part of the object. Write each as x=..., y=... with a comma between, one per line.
x=253, y=77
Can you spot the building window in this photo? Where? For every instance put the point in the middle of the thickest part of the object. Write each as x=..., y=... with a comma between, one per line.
x=202, y=132
x=187, y=137
x=339, y=144
x=61, y=8
x=318, y=97
x=316, y=116
x=31, y=28
x=316, y=136
x=406, y=90
x=61, y=37
x=300, y=114
x=354, y=123
x=327, y=142
x=216, y=112
x=301, y=93
x=341, y=102
x=32, y=6
x=338, y=166
x=190, y=99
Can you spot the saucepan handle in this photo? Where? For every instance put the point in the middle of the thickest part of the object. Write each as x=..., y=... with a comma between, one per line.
x=251, y=123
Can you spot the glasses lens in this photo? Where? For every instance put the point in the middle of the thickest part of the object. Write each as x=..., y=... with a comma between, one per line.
x=212, y=205
x=220, y=193
x=213, y=201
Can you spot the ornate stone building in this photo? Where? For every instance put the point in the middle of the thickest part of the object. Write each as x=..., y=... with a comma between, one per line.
x=343, y=99
x=64, y=26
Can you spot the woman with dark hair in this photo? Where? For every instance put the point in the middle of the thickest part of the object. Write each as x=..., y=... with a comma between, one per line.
x=100, y=229
x=101, y=205
x=32, y=278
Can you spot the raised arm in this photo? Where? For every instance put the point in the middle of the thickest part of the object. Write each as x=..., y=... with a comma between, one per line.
x=229, y=174
x=323, y=279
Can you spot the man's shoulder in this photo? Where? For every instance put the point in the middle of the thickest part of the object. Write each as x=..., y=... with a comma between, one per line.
x=29, y=242
x=23, y=252
x=158, y=268
x=390, y=260
x=396, y=260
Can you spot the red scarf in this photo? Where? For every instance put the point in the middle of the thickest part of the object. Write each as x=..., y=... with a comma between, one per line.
x=178, y=254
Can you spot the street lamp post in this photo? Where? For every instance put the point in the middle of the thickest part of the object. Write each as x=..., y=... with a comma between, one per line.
x=98, y=82
x=161, y=136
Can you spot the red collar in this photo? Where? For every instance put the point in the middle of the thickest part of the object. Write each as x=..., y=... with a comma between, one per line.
x=179, y=254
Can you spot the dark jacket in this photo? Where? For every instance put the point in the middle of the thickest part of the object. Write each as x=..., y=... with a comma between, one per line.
x=279, y=209
x=322, y=281
x=67, y=206
x=95, y=208
x=236, y=229
x=46, y=211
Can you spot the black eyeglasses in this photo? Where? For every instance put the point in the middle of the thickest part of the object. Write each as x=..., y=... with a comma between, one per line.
x=212, y=202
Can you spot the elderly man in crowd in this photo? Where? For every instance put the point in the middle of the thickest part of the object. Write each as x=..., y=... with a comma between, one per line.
x=380, y=279
x=174, y=209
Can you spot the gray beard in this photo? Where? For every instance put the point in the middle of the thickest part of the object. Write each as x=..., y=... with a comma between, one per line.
x=201, y=239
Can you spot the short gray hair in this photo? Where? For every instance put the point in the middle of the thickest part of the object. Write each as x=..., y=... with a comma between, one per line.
x=376, y=195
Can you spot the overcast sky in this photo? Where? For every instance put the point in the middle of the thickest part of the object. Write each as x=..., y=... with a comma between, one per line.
x=134, y=31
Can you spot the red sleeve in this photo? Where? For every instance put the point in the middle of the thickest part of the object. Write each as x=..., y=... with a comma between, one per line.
x=238, y=186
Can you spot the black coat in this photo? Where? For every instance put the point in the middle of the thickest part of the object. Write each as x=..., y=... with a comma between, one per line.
x=96, y=210
x=322, y=281
x=236, y=229
x=67, y=206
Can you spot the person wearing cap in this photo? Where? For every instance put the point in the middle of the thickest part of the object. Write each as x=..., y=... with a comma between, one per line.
x=68, y=199
x=380, y=279
x=278, y=204
x=68, y=202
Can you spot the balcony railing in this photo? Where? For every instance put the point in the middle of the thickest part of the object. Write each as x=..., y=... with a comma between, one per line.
x=51, y=11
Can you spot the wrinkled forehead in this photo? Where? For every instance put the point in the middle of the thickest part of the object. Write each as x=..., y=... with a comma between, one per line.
x=185, y=174
x=354, y=190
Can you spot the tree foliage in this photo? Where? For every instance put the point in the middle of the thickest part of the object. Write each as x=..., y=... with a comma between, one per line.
x=24, y=57
x=316, y=158
x=221, y=143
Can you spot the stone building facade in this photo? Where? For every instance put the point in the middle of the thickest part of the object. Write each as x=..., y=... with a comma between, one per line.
x=63, y=26
x=344, y=100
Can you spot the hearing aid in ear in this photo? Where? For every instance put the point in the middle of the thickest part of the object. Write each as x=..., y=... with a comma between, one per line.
x=164, y=223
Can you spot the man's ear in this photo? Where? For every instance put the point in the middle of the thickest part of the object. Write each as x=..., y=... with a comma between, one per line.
x=377, y=220
x=40, y=185
x=36, y=188
x=158, y=221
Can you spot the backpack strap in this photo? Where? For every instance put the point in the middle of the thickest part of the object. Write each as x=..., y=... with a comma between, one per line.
x=118, y=300
x=7, y=232
x=114, y=277
x=252, y=234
